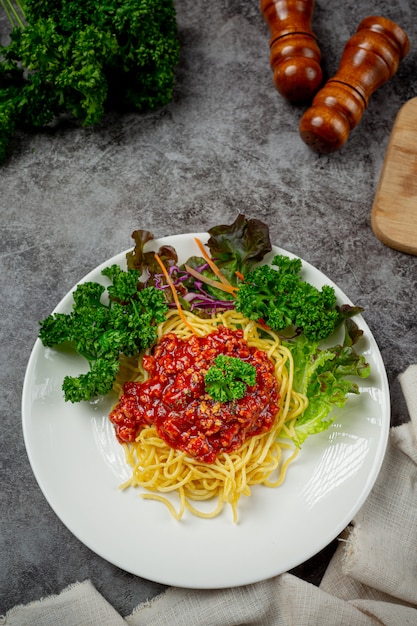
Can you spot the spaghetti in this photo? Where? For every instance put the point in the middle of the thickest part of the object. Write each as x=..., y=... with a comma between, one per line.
x=263, y=458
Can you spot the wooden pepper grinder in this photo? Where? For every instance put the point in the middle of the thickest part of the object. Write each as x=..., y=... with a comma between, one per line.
x=295, y=55
x=370, y=58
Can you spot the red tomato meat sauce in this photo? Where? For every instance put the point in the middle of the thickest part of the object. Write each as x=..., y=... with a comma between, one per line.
x=174, y=399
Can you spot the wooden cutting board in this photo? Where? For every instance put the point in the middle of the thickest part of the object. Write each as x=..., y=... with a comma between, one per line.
x=394, y=211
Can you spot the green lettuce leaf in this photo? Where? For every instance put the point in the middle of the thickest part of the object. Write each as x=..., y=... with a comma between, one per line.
x=323, y=375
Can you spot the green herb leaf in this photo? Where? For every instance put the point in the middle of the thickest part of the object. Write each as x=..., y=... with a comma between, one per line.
x=279, y=296
x=85, y=58
x=228, y=378
x=104, y=324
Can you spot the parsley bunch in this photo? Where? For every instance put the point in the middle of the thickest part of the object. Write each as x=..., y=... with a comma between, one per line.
x=83, y=57
x=279, y=296
x=102, y=331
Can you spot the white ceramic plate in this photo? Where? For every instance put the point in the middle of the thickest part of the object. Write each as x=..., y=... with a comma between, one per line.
x=79, y=466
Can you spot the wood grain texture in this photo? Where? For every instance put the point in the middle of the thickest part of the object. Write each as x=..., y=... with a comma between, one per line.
x=370, y=58
x=295, y=55
x=394, y=211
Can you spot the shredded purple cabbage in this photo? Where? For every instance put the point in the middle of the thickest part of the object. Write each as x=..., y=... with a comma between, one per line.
x=197, y=299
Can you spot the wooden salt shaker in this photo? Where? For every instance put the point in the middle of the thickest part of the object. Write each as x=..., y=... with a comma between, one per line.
x=370, y=58
x=294, y=53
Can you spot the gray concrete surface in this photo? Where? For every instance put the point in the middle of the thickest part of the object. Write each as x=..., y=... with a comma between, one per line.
x=228, y=143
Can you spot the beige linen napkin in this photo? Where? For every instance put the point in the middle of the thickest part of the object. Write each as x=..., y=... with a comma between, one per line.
x=371, y=580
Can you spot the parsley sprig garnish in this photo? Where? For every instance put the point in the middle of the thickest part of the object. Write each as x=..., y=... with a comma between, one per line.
x=228, y=378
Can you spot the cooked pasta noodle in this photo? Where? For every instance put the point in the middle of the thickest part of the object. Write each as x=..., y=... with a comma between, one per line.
x=262, y=459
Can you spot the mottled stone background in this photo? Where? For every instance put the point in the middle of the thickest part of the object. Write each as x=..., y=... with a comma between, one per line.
x=228, y=143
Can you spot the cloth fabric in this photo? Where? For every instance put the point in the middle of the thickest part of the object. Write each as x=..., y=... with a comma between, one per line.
x=370, y=581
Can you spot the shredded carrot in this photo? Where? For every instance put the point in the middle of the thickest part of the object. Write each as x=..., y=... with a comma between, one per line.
x=261, y=322
x=213, y=266
x=210, y=281
x=174, y=293
x=239, y=275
